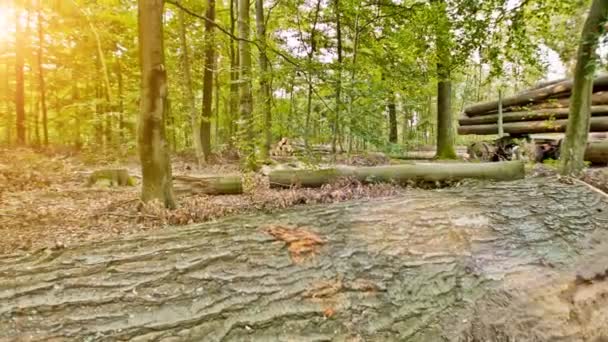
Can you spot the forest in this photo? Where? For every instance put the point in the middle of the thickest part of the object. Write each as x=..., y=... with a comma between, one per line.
x=303, y=170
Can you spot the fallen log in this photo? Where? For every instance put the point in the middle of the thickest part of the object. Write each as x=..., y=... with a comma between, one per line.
x=533, y=96
x=597, y=99
x=597, y=152
x=532, y=115
x=401, y=174
x=479, y=263
x=209, y=185
x=598, y=124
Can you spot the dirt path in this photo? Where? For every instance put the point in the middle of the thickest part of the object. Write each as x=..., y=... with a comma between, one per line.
x=429, y=266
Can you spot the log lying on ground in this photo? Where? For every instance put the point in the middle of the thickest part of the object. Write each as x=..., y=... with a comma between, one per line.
x=211, y=185
x=401, y=174
x=598, y=124
x=597, y=152
x=533, y=115
x=533, y=96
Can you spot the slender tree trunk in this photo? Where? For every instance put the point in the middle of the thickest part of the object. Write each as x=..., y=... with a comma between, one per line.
x=246, y=97
x=187, y=84
x=77, y=113
x=216, y=107
x=9, y=116
x=573, y=149
x=353, y=74
x=98, y=122
x=392, y=119
x=234, y=76
x=121, y=105
x=311, y=54
x=445, y=129
x=265, y=93
x=208, y=81
x=20, y=83
x=155, y=162
x=336, y=121
x=41, y=83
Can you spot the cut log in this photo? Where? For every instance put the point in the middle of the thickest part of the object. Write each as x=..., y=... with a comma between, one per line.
x=211, y=185
x=597, y=99
x=545, y=84
x=597, y=152
x=598, y=124
x=401, y=174
x=533, y=115
x=533, y=96
x=114, y=177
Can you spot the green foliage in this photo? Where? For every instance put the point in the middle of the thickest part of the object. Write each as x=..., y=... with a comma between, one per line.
x=389, y=49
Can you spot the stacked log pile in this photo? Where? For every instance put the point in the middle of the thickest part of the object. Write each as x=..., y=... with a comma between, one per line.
x=542, y=109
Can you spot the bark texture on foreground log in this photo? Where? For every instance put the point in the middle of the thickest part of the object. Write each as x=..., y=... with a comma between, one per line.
x=210, y=185
x=598, y=124
x=465, y=264
x=532, y=115
x=428, y=172
x=533, y=96
x=597, y=152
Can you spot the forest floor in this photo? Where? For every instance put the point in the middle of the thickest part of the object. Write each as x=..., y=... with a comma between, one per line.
x=45, y=203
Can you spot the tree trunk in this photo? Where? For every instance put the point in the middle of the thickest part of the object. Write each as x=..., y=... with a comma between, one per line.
x=234, y=76
x=598, y=124
x=189, y=92
x=402, y=174
x=246, y=97
x=41, y=84
x=535, y=96
x=311, y=54
x=573, y=147
x=392, y=119
x=155, y=162
x=20, y=83
x=541, y=114
x=265, y=93
x=208, y=81
x=336, y=119
x=121, y=105
x=445, y=129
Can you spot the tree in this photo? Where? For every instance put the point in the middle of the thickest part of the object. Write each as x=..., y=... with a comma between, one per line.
x=265, y=91
x=573, y=148
x=208, y=81
x=41, y=83
x=155, y=163
x=246, y=97
x=187, y=84
x=445, y=129
x=20, y=83
x=392, y=119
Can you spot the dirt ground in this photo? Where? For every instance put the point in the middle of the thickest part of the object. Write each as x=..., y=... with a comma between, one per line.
x=44, y=200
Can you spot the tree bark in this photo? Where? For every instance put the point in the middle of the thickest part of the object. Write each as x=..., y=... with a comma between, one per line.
x=402, y=174
x=234, y=76
x=598, y=124
x=41, y=83
x=121, y=104
x=155, y=162
x=534, y=96
x=265, y=91
x=205, y=132
x=532, y=115
x=20, y=82
x=392, y=119
x=311, y=54
x=246, y=97
x=187, y=84
x=445, y=129
x=336, y=118
x=573, y=147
